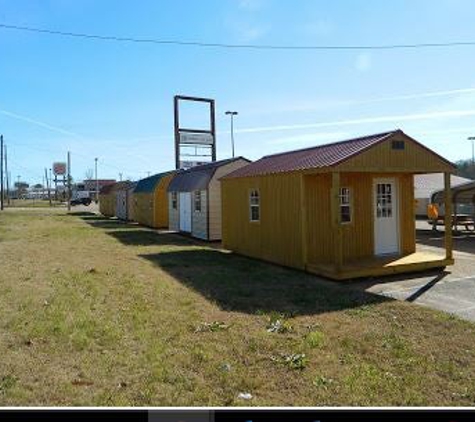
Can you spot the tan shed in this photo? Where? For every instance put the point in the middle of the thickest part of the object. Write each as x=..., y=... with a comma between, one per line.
x=195, y=198
x=341, y=210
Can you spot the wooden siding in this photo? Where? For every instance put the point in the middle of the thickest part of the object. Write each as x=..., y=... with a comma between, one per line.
x=143, y=208
x=107, y=204
x=173, y=214
x=414, y=158
x=151, y=208
x=160, y=218
x=357, y=235
x=277, y=236
x=214, y=191
x=199, y=219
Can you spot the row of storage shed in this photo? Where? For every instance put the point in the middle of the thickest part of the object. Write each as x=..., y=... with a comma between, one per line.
x=188, y=201
x=342, y=210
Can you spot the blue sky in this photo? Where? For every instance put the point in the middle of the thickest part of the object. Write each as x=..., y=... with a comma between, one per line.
x=115, y=100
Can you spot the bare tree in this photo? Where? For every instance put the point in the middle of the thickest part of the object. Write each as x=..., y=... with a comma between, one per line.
x=89, y=174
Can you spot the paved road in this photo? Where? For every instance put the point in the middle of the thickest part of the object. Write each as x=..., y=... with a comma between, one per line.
x=452, y=290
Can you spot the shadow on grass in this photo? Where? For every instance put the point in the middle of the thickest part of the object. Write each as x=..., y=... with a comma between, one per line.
x=141, y=236
x=236, y=283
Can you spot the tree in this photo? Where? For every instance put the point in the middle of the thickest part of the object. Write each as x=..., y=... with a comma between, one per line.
x=465, y=168
x=89, y=174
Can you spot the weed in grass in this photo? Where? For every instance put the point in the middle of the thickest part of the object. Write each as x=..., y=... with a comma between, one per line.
x=314, y=339
x=212, y=327
x=322, y=382
x=6, y=383
x=278, y=324
x=293, y=360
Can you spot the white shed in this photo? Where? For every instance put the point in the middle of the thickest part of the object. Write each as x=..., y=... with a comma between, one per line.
x=195, y=198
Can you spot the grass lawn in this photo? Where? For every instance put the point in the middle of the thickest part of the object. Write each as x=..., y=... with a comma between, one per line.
x=96, y=312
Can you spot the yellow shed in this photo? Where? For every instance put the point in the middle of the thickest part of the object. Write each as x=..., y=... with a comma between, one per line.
x=341, y=210
x=108, y=198
x=150, y=200
x=107, y=201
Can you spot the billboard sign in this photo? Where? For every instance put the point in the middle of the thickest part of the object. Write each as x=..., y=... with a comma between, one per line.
x=196, y=138
x=59, y=169
x=195, y=144
x=185, y=165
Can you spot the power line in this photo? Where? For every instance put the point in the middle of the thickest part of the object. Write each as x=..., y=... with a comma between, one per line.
x=237, y=46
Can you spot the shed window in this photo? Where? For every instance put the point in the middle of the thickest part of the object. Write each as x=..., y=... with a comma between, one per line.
x=254, y=204
x=198, y=201
x=174, y=200
x=345, y=205
x=398, y=145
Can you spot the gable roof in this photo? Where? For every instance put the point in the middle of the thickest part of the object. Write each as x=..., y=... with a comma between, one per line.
x=321, y=156
x=149, y=184
x=198, y=178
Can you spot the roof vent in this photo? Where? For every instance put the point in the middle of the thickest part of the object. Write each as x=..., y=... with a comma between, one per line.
x=399, y=145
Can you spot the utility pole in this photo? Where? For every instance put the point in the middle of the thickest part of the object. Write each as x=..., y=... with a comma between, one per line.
x=120, y=177
x=232, y=114
x=1, y=172
x=69, y=181
x=97, y=182
x=47, y=186
x=8, y=176
x=472, y=138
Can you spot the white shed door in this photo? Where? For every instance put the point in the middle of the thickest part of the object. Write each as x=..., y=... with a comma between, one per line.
x=386, y=227
x=185, y=212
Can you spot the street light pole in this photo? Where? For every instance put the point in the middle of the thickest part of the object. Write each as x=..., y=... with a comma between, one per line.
x=97, y=181
x=472, y=138
x=232, y=114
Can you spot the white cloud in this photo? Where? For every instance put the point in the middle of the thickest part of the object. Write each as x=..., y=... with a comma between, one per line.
x=363, y=62
x=393, y=119
x=309, y=138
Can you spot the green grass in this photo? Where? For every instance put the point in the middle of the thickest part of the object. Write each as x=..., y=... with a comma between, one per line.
x=98, y=312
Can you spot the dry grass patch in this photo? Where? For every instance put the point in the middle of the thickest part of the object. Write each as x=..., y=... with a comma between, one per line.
x=98, y=312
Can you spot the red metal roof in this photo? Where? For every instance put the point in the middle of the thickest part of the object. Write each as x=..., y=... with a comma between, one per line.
x=311, y=158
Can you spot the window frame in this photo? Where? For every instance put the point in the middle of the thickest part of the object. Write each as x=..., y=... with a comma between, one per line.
x=174, y=200
x=254, y=205
x=197, y=196
x=345, y=192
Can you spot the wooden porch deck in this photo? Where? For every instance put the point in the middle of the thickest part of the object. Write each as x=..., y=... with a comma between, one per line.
x=377, y=266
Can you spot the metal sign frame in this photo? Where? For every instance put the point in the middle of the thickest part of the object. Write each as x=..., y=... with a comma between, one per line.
x=198, y=138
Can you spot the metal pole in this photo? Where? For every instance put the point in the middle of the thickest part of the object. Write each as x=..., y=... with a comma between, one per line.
x=472, y=138
x=97, y=181
x=232, y=133
x=1, y=172
x=48, y=186
x=8, y=176
x=69, y=181
x=232, y=114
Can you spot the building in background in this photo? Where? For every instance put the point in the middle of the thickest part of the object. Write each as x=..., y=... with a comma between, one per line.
x=426, y=184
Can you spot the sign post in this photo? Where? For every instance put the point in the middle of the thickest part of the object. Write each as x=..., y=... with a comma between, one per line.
x=199, y=144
